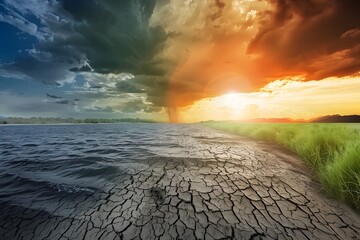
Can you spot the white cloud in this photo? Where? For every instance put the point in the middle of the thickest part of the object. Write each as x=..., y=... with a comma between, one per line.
x=22, y=24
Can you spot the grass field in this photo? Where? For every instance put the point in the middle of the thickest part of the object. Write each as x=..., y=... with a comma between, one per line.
x=333, y=150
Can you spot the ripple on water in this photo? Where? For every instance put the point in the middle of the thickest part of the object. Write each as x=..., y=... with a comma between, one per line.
x=42, y=163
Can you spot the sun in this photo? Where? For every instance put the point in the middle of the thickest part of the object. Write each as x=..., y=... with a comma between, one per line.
x=231, y=100
x=229, y=106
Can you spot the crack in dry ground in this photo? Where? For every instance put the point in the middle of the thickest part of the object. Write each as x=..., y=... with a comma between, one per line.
x=224, y=188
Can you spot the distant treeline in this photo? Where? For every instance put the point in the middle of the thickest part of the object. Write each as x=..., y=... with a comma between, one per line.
x=338, y=119
x=42, y=120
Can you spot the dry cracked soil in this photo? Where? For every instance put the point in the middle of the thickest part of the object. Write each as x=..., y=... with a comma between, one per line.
x=212, y=186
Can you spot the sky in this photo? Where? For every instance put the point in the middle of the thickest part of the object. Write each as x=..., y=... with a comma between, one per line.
x=179, y=60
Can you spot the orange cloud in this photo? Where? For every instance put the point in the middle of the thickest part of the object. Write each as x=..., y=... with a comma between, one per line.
x=219, y=67
x=292, y=38
x=317, y=37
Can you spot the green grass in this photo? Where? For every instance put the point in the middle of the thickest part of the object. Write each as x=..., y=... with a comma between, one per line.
x=332, y=150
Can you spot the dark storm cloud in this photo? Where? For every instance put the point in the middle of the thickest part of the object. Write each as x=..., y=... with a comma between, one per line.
x=60, y=100
x=102, y=36
x=132, y=106
x=318, y=37
x=155, y=87
x=114, y=35
x=128, y=87
x=53, y=96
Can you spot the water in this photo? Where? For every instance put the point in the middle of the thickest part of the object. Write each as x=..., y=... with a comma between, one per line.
x=44, y=164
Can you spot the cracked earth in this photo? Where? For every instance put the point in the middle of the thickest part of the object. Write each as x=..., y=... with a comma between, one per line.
x=211, y=185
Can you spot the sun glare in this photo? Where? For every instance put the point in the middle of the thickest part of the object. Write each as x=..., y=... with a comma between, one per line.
x=231, y=100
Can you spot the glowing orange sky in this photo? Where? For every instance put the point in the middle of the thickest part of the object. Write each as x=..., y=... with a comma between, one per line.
x=267, y=41
x=217, y=68
x=280, y=99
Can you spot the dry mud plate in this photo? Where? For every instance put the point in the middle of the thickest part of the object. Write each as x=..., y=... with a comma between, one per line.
x=209, y=186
